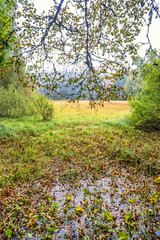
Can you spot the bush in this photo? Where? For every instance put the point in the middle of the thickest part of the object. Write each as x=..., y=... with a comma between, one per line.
x=15, y=103
x=145, y=105
x=44, y=108
x=144, y=115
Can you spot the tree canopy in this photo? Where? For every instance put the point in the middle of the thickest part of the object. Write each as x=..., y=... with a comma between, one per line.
x=6, y=33
x=95, y=40
x=11, y=64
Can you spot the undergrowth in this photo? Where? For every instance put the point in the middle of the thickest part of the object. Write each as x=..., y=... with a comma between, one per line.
x=52, y=178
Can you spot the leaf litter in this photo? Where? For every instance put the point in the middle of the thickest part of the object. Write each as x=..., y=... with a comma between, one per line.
x=118, y=206
x=89, y=183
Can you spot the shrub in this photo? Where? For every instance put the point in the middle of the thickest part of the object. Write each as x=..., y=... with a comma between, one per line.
x=145, y=105
x=15, y=103
x=44, y=108
x=144, y=115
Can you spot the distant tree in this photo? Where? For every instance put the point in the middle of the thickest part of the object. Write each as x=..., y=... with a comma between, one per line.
x=95, y=38
x=145, y=105
x=131, y=87
x=119, y=84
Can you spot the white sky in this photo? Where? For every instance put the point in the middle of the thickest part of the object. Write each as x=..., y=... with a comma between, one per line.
x=154, y=35
x=44, y=5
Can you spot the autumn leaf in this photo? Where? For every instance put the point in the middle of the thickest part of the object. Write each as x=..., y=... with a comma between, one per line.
x=48, y=217
x=157, y=180
x=108, y=216
x=128, y=216
x=68, y=198
x=79, y=210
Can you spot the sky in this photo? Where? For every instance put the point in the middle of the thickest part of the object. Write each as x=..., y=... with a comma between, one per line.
x=154, y=35
x=44, y=5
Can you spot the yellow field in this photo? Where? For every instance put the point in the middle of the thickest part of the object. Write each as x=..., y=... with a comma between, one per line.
x=82, y=111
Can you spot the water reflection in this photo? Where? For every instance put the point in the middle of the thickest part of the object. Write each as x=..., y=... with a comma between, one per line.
x=108, y=196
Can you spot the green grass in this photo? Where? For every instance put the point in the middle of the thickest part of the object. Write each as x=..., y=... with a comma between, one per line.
x=38, y=156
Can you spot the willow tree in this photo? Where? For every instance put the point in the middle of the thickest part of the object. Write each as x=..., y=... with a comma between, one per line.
x=93, y=39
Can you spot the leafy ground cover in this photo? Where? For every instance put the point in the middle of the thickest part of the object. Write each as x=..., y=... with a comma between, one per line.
x=84, y=175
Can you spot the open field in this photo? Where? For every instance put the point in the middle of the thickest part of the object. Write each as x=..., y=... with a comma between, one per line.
x=83, y=112
x=86, y=174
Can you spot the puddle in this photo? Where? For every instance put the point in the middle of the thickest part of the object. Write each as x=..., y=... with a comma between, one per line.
x=113, y=207
x=94, y=209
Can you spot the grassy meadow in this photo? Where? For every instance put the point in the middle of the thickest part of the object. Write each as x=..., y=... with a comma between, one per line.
x=81, y=111
x=87, y=174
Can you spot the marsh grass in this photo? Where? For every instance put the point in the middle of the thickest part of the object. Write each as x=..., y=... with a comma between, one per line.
x=81, y=111
x=79, y=143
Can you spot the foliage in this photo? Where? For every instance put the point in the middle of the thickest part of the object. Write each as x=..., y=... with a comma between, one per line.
x=5, y=28
x=8, y=40
x=113, y=191
x=146, y=104
x=44, y=108
x=15, y=103
x=12, y=76
x=12, y=66
x=92, y=38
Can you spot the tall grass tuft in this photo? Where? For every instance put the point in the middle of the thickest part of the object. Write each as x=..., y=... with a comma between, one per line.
x=44, y=107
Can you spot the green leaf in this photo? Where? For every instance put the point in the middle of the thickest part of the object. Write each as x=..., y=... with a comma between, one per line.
x=132, y=200
x=96, y=210
x=29, y=235
x=8, y=233
x=123, y=236
x=128, y=215
x=108, y=216
x=55, y=204
x=51, y=229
